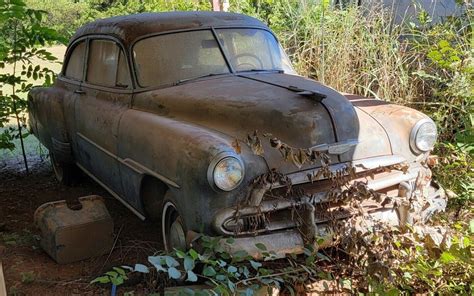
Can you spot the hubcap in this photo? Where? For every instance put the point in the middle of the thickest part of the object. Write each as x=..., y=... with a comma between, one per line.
x=174, y=236
x=177, y=238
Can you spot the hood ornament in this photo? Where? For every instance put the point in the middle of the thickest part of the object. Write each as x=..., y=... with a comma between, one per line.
x=307, y=93
x=336, y=148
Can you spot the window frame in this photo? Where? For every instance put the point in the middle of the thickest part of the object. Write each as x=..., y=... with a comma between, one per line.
x=83, y=82
x=134, y=87
x=68, y=54
x=266, y=42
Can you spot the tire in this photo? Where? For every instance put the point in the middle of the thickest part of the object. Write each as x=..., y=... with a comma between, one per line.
x=173, y=228
x=65, y=173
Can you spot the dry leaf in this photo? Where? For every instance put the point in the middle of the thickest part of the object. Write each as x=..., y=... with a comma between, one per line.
x=236, y=146
x=255, y=144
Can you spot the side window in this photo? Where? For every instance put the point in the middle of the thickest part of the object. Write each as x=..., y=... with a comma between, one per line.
x=75, y=65
x=107, y=65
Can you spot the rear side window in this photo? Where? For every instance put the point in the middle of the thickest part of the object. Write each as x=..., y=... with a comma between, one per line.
x=75, y=65
x=107, y=65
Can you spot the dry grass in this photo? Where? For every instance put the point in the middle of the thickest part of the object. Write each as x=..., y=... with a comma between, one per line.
x=353, y=51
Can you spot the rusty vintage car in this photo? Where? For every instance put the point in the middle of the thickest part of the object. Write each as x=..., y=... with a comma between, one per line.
x=157, y=107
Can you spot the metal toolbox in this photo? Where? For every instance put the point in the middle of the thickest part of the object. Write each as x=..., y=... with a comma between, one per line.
x=70, y=234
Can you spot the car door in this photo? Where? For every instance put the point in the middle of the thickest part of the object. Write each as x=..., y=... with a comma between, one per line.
x=61, y=115
x=103, y=97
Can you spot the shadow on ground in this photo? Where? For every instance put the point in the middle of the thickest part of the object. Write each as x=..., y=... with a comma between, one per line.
x=29, y=270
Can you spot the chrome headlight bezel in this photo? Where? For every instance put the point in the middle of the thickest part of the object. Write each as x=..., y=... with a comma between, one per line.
x=212, y=170
x=414, y=134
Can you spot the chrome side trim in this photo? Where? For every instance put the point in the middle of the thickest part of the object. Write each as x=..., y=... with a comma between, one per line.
x=143, y=169
x=97, y=146
x=135, y=166
x=111, y=192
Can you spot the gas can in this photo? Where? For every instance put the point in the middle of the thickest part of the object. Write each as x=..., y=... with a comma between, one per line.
x=74, y=233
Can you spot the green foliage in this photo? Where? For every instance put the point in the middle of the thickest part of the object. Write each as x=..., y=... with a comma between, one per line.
x=399, y=261
x=448, y=84
x=449, y=270
x=449, y=74
x=21, y=37
x=24, y=238
x=116, y=277
x=229, y=274
x=64, y=16
x=28, y=277
x=455, y=171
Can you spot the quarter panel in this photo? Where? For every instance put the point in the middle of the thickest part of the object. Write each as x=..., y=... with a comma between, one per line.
x=47, y=115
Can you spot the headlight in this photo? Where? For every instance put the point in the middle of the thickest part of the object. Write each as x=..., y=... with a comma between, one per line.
x=227, y=173
x=423, y=136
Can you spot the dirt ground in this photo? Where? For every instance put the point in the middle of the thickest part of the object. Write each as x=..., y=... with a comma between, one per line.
x=28, y=269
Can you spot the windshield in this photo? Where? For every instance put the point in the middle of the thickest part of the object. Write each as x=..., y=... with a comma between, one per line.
x=253, y=49
x=172, y=58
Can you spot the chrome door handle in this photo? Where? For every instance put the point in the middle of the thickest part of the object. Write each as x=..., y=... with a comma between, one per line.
x=79, y=91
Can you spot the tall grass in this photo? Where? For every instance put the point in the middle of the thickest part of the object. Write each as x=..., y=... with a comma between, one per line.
x=414, y=62
x=355, y=50
x=352, y=52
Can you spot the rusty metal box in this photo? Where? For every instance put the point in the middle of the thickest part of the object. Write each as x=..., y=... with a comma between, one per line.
x=70, y=234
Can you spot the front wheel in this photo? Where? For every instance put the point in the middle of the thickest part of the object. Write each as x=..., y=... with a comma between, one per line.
x=172, y=226
x=65, y=173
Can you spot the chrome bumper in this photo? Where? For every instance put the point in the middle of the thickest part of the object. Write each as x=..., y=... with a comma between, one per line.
x=380, y=182
x=291, y=241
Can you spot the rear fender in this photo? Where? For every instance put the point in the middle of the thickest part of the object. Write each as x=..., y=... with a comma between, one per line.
x=47, y=121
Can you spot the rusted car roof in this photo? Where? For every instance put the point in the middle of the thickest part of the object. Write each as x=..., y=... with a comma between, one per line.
x=130, y=27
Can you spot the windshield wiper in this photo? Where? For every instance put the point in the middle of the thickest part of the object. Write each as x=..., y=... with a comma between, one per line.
x=280, y=71
x=198, y=77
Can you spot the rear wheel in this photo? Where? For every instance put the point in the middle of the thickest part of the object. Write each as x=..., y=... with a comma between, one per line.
x=173, y=228
x=65, y=173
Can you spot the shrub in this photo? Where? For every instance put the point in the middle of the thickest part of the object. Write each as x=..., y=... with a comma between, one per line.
x=64, y=16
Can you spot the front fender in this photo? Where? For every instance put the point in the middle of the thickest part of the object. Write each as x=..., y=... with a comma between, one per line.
x=397, y=121
x=182, y=152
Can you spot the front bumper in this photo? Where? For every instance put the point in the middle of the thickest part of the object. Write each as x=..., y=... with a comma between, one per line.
x=414, y=198
x=291, y=241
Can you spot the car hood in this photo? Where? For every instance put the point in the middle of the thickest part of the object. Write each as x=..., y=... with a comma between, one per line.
x=286, y=106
